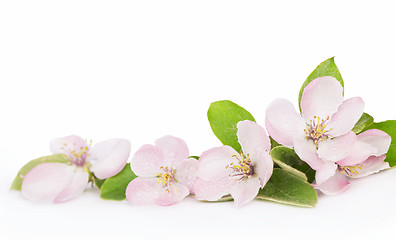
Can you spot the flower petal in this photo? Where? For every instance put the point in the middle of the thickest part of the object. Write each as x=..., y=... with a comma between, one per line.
x=68, y=144
x=143, y=191
x=346, y=116
x=46, y=181
x=282, y=121
x=212, y=190
x=173, y=148
x=371, y=165
x=336, y=148
x=325, y=172
x=306, y=150
x=186, y=172
x=75, y=187
x=109, y=157
x=372, y=142
x=263, y=167
x=378, y=139
x=177, y=192
x=321, y=98
x=245, y=191
x=334, y=185
x=212, y=163
x=147, y=161
x=253, y=138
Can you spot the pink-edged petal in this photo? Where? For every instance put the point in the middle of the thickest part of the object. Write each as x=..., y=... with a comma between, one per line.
x=186, y=172
x=359, y=152
x=337, y=148
x=370, y=166
x=346, y=116
x=46, y=181
x=334, y=185
x=245, y=191
x=306, y=150
x=173, y=148
x=147, y=161
x=68, y=144
x=109, y=157
x=212, y=163
x=378, y=139
x=263, y=167
x=253, y=138
x=143, y=191
x=283, y=122
x=75, y=187
x=325, y=172
x=212, y=190
x=321, y=98
x=177, y=192
x=372, y=142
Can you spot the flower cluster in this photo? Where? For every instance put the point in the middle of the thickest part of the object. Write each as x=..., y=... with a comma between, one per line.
x=329, y=142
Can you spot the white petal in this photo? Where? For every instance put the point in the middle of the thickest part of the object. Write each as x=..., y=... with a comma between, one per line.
x=109, y=157
x=346, y=117
x=336, y=148
x=212, y=163
x=173, y=148
x=283, y=122
x=325, y=172
x=245, y=191
x=75, y=187
x=253, y=138
x=306, y=150
x=321, y=98
x=46, y=181
x=66, y=145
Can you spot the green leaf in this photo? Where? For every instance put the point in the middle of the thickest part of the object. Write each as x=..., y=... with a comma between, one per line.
x=98, y=182
x=288, y=160
x=223, y=117
x=390, y=128
x=195, y=157
x=17, y=183
x=287, y=188
x=226, y=198
x=326, y=68
x=114, y=187
x=273, y=143
x=364, y=122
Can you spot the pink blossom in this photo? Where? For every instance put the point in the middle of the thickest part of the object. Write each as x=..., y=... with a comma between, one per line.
x=165, y=173
x=222, y=170
x=59, y=182
x=322, y=135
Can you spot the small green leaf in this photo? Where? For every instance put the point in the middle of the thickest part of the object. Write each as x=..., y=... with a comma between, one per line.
x=273, y=143
x=114, y=187
x=288, y=160
x=390, y=128
x=287, y=188
x=364, y=122
x=195, y=157
x=17, y=183
x=326, y=68
x=223, y=117
x=98, y=182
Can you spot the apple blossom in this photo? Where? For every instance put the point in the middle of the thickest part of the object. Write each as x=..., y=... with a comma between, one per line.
x=223, y=171
x=322, y=135
x=165, y=173
x=59, y=182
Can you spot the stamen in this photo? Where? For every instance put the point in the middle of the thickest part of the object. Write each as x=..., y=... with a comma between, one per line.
x=241, y=170
x=166, y=177
x=351, y=171
x=316, y=130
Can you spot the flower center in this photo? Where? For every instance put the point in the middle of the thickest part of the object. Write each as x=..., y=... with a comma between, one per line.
x=77, y=157
x=241, y=170
x=166, y=177
x=351, y=171
x=316, y=130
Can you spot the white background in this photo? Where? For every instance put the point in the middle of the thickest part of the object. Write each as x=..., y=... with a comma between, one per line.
x=144, y=69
